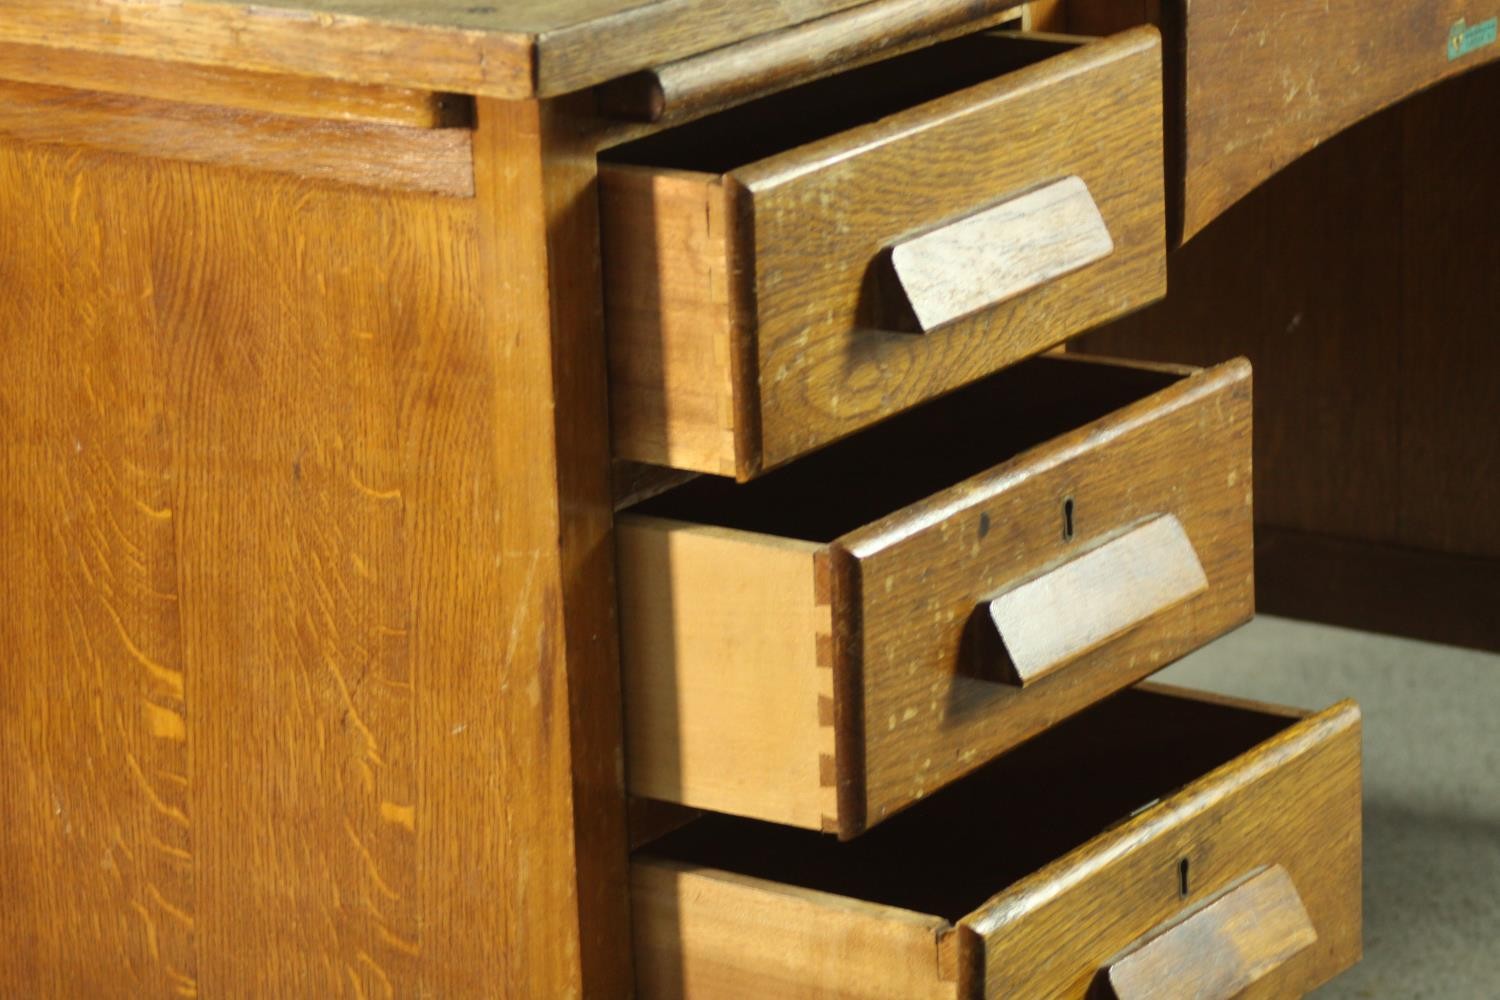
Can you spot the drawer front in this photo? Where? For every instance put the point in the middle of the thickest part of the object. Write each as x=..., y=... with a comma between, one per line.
x=1244, y=882
x=830, y=683
x=824, y=217
x=989, y=613
x=1290, y=809
x=761, y=312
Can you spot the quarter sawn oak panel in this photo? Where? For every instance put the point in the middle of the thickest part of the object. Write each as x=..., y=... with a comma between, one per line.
x=309, y=682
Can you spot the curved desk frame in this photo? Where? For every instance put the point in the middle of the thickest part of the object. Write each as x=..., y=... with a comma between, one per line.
x=1255, y=84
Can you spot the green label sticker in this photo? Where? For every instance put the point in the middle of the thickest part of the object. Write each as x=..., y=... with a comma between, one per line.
x=1462, y=39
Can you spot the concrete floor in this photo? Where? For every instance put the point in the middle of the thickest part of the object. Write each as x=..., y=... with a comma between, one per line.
x=1432, y=792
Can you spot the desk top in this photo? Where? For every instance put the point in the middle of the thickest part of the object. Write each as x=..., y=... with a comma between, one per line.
x=499, y=48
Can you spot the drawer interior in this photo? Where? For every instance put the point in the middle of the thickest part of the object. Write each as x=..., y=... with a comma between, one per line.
x=919, y=452
x=795, y=117
x=947, y=855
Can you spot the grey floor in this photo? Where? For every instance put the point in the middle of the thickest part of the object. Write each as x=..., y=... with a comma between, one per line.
x=1432, y=791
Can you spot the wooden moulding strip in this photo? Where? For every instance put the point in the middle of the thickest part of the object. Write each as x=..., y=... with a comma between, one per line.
x=781, y=59
x=434, y=161
x=516, y=50
x=270, y=93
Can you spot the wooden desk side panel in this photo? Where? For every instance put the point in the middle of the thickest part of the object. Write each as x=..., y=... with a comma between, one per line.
x=285, y=617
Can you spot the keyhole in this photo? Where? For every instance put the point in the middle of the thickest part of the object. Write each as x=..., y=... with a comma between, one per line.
x=1068, y=519
x=1183, y=889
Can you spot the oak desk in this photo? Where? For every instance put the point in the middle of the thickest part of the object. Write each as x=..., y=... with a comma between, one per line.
x=311, y=680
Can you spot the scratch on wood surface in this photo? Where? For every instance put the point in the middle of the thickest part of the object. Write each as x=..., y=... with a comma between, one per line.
x=521, y=611
x=372, y=748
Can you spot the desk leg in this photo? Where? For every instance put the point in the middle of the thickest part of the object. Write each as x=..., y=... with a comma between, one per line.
x=563, y=843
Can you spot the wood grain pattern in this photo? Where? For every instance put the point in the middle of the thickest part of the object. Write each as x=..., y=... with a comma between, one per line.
x=1265, y=82
x=914, y=703
x=1050, y=620
x=707, y=933
x=771, y=62
x=516, y=49
x=1239, y=788
x=309, y=681
x=1448, y=439
x=1220, y=950
x=1105, y=17
x=816, y=217
x=439, y=161
x=724, y=692
x=304, y=97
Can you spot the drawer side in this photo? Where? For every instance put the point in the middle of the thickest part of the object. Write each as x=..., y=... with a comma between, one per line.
x=706, y=933
x=727, y=663
x=666, y=238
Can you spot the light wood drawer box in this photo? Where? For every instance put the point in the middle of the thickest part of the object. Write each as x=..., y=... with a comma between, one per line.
x=769, y=271
x=830, y=643
x=1163, y=844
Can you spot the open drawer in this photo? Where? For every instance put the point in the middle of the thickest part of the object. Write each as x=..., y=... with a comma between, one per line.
x=1162, y=844
x=830, y=643
x=782, y=274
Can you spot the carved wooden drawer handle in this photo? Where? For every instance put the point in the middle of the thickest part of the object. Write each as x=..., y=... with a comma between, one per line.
x=1221, y=948
x=1052, y=619
x=990, y=257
